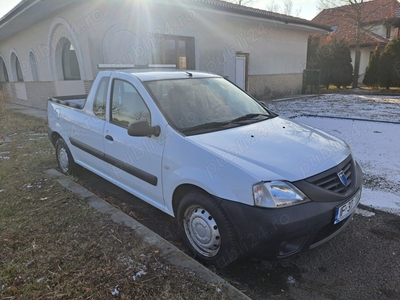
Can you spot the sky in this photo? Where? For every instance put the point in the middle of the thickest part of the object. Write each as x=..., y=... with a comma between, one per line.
x=7, y=5
x=308, y=7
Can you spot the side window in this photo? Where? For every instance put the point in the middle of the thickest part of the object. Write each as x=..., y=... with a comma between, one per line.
x=100, y=99
x=127, y=105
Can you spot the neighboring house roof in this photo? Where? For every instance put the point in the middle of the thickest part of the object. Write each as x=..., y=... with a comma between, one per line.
x=372, y=12
x=39, y=9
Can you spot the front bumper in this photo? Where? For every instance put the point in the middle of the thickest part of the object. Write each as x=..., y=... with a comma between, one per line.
x=279, y=233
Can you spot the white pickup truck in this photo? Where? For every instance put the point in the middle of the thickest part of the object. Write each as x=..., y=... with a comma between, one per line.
x=239, y=179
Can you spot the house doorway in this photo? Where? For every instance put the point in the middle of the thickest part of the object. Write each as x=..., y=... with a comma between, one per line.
x=241, y=70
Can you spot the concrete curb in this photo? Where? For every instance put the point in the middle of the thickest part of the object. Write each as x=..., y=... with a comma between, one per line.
x=167, y=251
x=294, y=97
x=346, y=118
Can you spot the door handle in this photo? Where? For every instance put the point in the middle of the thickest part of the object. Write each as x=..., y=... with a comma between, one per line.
x=109, y=137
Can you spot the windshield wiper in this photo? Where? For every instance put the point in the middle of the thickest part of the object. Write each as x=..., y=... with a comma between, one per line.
x=205, y=126
x=228, y=124
x=251, y=117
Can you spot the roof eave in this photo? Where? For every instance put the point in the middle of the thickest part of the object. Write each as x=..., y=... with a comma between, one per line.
x=16, y=10
x=266, y=15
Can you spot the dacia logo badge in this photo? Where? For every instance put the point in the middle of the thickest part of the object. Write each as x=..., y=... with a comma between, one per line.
x=343, y=178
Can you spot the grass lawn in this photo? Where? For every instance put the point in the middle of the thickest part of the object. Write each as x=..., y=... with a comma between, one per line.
x=54, y=246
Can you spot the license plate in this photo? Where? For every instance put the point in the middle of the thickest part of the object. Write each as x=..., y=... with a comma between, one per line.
x=343, y=211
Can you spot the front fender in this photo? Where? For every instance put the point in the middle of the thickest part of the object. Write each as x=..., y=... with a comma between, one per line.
x=199, y=178
x=186, y=162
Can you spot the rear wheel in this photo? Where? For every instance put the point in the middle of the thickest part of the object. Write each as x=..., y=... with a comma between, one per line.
x=64, y=159
x=206, y=230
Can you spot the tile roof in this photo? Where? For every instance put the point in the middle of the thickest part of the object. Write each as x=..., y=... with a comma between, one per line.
x=372, y=12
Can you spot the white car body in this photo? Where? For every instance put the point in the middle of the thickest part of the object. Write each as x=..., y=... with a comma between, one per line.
x=225, y=164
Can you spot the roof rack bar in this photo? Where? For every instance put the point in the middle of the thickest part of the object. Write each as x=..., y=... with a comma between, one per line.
x=115, y=66
x=161, y=66
x=132, y=66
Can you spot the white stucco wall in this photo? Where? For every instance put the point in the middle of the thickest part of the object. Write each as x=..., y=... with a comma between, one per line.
x=23, y=42
x=364, y=60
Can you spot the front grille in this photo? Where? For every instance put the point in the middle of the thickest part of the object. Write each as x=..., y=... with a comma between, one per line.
x=330, y=180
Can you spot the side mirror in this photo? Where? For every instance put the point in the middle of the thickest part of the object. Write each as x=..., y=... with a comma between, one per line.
x=142, y=128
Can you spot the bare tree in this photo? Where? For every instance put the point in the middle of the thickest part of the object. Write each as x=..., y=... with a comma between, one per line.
x=273, y=6
x=241, y=2
x=286, y=9
x=352, y=10
x=324, y=4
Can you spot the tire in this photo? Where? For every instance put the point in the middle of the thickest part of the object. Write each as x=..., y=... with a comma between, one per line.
x=206, y=230
x=65, y=160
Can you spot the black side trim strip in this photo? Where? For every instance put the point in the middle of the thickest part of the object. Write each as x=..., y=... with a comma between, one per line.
x=87, y=148
x=147, y=177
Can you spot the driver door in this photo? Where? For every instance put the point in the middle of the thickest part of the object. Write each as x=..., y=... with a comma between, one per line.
x=134, y=162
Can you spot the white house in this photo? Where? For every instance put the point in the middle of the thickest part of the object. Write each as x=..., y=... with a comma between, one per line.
x=54, y=47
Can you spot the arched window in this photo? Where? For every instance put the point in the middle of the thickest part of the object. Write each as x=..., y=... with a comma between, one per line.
x=34, y=69
x=16, y=70
x=67, y=60
x=20, y=76
x=3, y=71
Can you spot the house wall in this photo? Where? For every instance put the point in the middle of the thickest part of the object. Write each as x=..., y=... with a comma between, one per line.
x=33, y=39
x=275, y=85
x=102, y=32
x=364, y=60
x=380, y=29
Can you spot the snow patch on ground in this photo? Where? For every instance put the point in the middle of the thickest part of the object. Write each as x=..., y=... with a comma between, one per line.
x=382, y=108
x=375, y=145
x=381, y=200
x=364, y=213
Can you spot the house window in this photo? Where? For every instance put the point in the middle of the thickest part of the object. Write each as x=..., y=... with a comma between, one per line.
x=388, y=31
x=32, y=61
x=175, y=50
x=69, y=60
x=3, y=71
x=20, y=76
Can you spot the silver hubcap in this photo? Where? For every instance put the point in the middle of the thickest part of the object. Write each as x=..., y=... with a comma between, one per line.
x=202, y=231
x=63, y=159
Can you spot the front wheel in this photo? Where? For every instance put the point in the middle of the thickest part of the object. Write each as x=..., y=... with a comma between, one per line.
x=206, y=230
x=64, y=158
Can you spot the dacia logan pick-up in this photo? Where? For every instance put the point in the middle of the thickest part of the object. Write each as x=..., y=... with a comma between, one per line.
x=239, y=179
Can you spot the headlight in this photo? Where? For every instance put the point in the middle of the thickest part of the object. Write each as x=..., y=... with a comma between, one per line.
x=348, y=147
x=277, y=194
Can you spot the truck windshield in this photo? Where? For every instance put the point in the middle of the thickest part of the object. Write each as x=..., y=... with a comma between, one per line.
x=199, y=105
